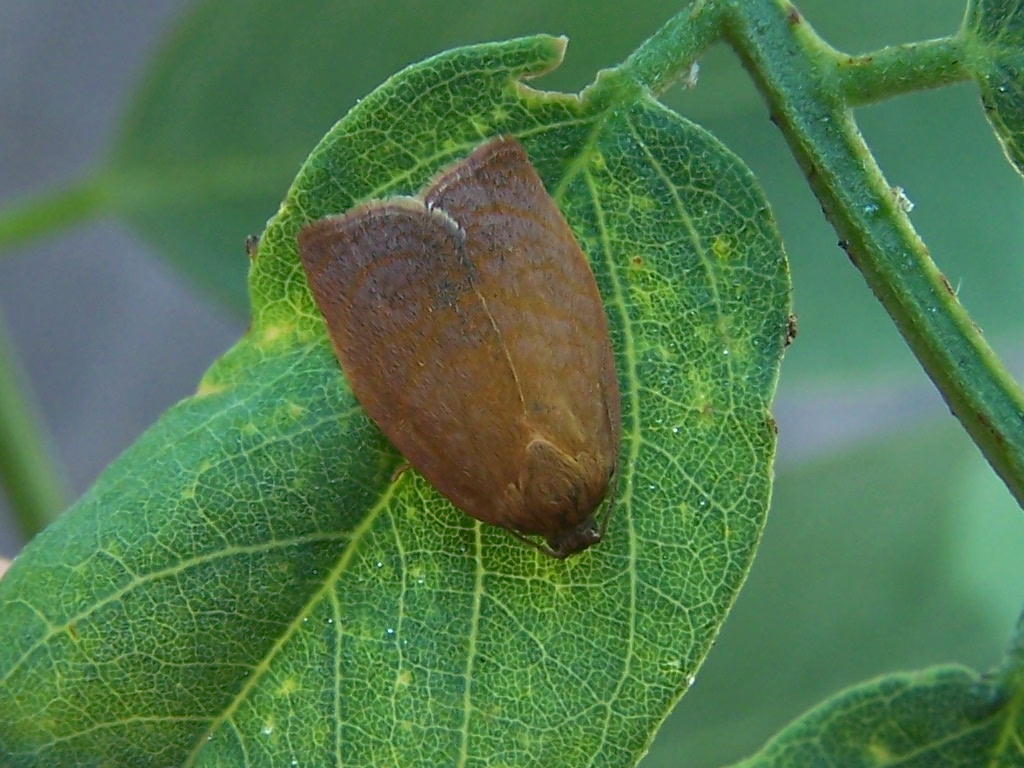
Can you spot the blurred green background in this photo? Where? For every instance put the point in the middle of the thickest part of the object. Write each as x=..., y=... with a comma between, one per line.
x=890, y=544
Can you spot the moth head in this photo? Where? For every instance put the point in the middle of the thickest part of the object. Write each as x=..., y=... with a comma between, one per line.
x=574, y=540
x=560, y=494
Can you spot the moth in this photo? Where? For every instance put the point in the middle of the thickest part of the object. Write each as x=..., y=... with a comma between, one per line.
x=470, y=328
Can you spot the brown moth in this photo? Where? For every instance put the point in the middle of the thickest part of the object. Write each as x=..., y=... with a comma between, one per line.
x=471, y=330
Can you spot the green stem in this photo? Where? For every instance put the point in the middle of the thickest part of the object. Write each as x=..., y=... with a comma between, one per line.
x=810, y=88
x=900, y=69
x=782, y=55
x=670, y=52
x=27, y=473
x=50, y=212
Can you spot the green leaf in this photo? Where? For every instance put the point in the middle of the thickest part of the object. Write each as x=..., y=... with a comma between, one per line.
x=249, y=584
x=993, y=35
x=945, y=716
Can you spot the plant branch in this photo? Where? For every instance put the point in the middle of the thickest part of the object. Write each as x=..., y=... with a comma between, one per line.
x=783, y=56
x=900, y=69
x=810, y=88
x=27, y=473
x=668, y=54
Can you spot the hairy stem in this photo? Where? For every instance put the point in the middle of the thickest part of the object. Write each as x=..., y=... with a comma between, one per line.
x=901, y=69
x=668, y=54
x=783, y=56
x=810, y=89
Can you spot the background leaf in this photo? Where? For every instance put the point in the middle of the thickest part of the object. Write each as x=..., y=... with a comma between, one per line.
x=262, y=590
x=994, y=35
x=939, y=718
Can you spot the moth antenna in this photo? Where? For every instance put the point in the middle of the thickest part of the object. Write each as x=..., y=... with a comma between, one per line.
x=544, y=548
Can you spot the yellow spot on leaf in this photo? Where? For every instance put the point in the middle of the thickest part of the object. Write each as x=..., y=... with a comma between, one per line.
x=644, y=203
x=207, y=388
x=880, y=753
x=706, y=411
x=272, y=333
x=722, y=246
